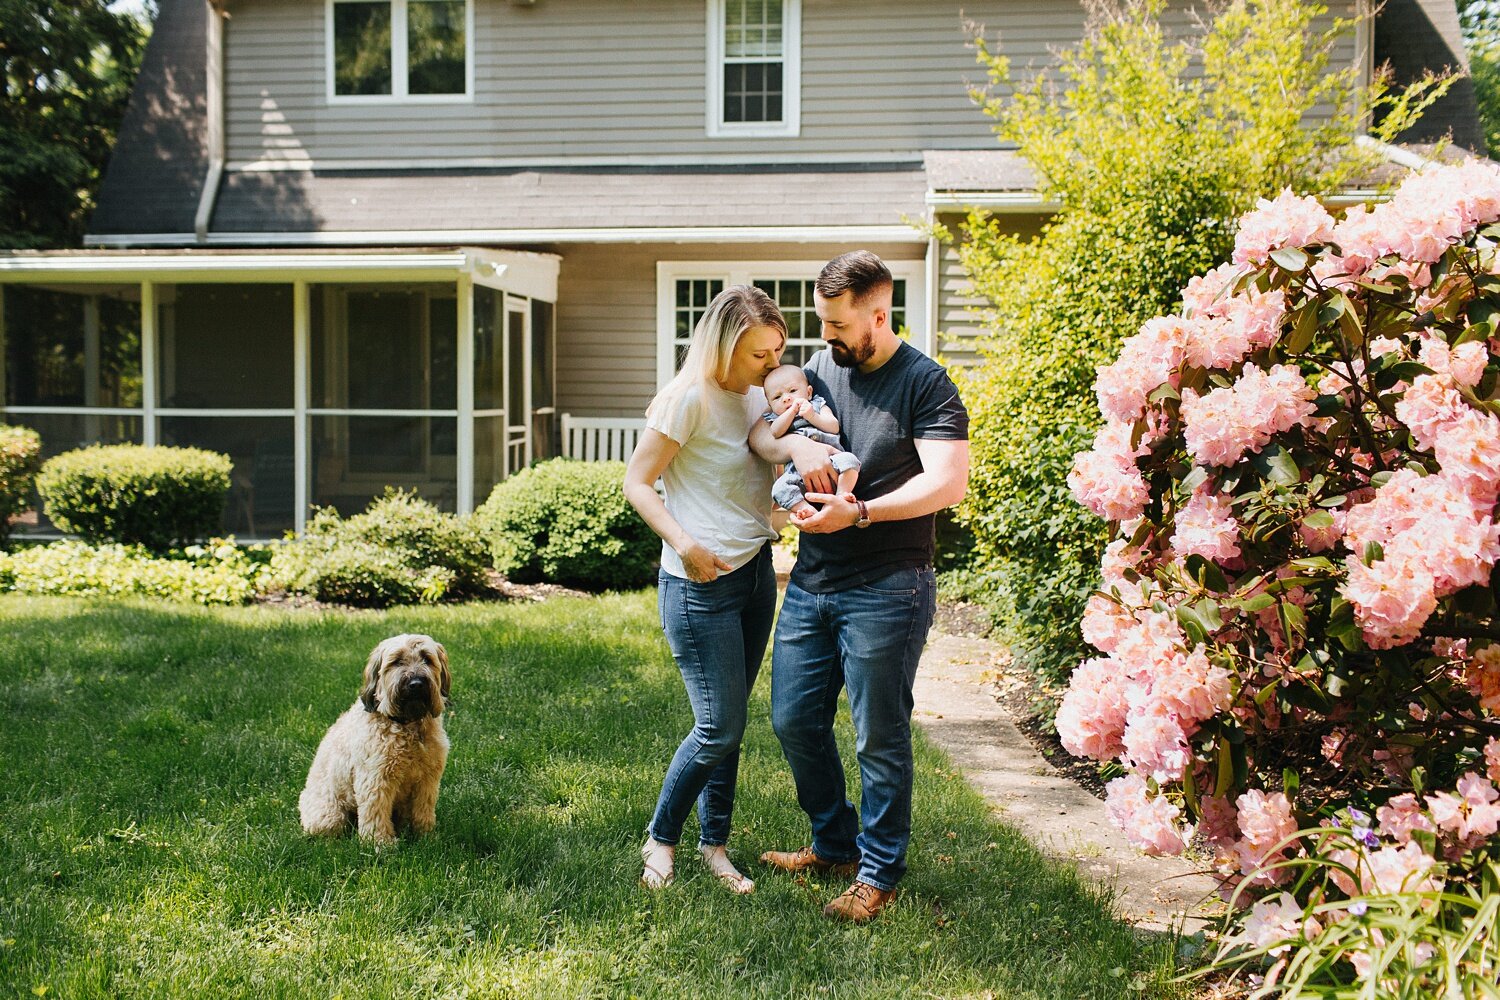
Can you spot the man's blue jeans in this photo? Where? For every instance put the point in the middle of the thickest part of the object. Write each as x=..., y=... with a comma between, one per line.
x=717, y=632
x=866, y=639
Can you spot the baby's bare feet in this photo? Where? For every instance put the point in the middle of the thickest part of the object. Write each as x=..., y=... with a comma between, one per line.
x=803, y=512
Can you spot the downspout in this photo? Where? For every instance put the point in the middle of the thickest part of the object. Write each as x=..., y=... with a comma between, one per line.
x=214, y=98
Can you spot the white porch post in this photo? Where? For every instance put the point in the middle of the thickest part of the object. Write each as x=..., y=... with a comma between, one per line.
x=934, y=284
x=148, y=363
x=465, y=435
x=301, y=341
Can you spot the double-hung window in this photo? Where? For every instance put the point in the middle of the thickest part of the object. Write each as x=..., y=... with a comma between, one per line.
x=754, y=67
x=407, y=50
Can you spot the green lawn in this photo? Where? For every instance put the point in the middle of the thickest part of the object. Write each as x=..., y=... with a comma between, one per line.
x=153, y=755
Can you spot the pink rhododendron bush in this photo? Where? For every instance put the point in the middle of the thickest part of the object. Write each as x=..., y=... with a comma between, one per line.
x=1299, y=646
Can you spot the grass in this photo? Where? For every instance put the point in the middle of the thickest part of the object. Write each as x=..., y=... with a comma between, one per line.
x=150, y=847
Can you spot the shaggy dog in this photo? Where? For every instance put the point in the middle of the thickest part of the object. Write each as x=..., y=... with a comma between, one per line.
x=380, y=763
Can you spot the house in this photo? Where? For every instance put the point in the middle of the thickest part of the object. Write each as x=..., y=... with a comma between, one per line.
x=354, y=243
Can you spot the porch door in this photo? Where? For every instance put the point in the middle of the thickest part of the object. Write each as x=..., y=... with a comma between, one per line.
x=517, y=401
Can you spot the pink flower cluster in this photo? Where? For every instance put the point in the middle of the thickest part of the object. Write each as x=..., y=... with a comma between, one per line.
x=1436, y=540
x=1277, y=921
x=1206, y=527
x=1147, y=360
x=1426, y=215
x=1288, y=221
x=1265, y=823
x=1150, y=823
x=1106, y=480
x=1223, y=425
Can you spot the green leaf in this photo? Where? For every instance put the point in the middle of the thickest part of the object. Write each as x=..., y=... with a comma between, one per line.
x=1258, y=603
x=1276, y=465
x=1318, y=519
x=1291, y=259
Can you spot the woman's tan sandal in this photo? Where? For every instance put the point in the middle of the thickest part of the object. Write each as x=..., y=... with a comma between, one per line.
x=653, y=875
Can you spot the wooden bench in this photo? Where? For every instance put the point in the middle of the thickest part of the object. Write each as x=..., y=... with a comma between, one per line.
x=600, y=439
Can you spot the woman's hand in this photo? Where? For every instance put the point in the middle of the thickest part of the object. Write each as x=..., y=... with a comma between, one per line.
x=702, y=566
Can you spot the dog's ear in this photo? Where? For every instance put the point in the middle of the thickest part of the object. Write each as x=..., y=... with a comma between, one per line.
x=445, y=679
x=368, y=692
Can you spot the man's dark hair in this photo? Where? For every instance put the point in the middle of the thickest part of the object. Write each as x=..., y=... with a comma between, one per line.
x=858, y=271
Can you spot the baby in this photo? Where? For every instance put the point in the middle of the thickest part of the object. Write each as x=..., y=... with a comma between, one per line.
x=795, y=409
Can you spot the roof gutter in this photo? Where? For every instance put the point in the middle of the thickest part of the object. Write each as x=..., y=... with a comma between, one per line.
x=214, y=79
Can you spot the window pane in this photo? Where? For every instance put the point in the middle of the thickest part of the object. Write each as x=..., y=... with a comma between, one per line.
x=72, y=345
x=262, y=485
x=435, y=46
x=693, y=297
x=752, y=92
x=225, y=345
x=356, y=458
x=752, y=28
x=362, y=47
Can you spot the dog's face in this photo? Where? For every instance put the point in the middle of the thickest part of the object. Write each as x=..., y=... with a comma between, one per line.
x=407, y=678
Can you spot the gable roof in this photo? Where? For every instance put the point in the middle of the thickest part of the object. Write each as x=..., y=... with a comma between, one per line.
x=155, y=175
x=1412, y=36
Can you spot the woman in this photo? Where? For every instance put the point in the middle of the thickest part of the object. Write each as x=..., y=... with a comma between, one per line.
x=716, y=590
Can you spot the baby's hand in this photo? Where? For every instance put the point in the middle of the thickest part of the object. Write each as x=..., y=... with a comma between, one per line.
x=804, y=407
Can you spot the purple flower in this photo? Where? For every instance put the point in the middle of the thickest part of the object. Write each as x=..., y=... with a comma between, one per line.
x=1358, y=907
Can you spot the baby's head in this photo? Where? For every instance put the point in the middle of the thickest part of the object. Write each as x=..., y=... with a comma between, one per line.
x=785, y=385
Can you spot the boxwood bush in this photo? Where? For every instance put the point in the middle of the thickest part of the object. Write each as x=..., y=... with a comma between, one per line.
x=401, y=550
x=568, y=522
x=20, y=457
x=157, y=497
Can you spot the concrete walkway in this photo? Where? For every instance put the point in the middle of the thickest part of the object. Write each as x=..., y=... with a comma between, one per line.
x=957, y=709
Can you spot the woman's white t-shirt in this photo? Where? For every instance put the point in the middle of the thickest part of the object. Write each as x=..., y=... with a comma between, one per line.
x=717, y=488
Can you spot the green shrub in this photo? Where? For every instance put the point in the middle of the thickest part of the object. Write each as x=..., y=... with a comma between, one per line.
x=217, y=573
x=157, y=497
x=569, y=522
x=401, y=550
x=1151, y=150
x=20, y=457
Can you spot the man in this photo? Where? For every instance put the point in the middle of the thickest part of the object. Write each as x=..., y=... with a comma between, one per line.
x=862, y=594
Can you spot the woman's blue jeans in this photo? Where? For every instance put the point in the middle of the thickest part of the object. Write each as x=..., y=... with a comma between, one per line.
x=717, y=632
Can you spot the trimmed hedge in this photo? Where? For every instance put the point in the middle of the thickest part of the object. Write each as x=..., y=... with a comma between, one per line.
x=157, y=497
x=20, y=458
x=568, y=522
x=401, y=550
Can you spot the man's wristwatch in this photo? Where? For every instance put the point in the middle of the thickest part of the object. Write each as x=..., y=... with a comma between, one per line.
x=863, y=521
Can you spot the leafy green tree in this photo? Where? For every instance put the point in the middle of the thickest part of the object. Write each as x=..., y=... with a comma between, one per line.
x=68, y=66
x=1480, y=23
x=1152, y=146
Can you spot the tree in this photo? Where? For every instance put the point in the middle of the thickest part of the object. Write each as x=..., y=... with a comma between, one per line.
x=1152, y=146
x=68, y=66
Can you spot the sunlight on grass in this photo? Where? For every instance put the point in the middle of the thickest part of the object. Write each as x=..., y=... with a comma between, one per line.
x=151, y=844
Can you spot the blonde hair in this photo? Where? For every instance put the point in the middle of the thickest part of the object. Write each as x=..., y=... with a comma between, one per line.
x=733, y=311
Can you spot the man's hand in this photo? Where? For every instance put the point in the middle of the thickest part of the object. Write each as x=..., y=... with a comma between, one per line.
x=811, y=460
x=837, y=513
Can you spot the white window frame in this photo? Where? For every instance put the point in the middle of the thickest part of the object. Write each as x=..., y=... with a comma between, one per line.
x=745, y=272
x=399, y=61
x=790, y=125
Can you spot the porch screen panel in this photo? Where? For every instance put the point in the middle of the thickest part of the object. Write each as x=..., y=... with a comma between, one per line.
x=72, y=345
x=62, y=432
x=225, y=346
x=489, y=456
x=489, y=350
x=543, y=381
x=262, y=487
x=356, y=457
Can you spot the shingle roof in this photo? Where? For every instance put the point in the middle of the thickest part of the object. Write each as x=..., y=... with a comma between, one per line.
x=359, y=201
x=977, y=170
x=160, y=158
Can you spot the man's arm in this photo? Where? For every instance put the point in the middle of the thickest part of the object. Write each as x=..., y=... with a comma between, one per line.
x=810, y=457
x=942, y=483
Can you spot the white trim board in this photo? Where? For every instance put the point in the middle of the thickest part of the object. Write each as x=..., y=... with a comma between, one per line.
x=894, y=157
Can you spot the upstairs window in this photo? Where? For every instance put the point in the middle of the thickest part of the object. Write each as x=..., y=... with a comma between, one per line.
x=383, y=50
x=754, y=67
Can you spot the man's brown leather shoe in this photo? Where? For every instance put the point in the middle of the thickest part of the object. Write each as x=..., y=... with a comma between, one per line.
x=804, y=860
x=858, y=903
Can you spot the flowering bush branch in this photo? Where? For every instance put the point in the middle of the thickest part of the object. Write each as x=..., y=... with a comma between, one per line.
x=1297, y=617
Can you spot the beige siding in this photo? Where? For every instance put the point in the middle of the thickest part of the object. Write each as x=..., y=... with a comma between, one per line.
x=606, y=315
x=605, y=78
x=959, y=322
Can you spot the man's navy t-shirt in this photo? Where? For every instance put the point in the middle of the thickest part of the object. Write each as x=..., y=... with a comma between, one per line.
x=880, y=416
